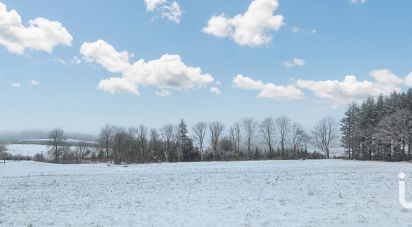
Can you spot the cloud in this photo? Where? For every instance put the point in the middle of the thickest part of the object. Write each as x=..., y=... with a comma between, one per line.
x=166, y=73
x=59, y=60
x=385, y=76
x=247, y=83
x=104, y=54
x=151, y=5
x=351, y=89
x=163, y=93
x=34, y=83
x=73, y=61
x=249, y=29
x=16, y=85
x=295, y=29
x=340, y=92
x=268, y=90
x=294, y=62
x=37, y=34
x=115, y=85
x=215, y=90
x=335, y=92
x=172, y=12
x=358, y=1
x=408, y=80
x=167, y=9
x=278, y=91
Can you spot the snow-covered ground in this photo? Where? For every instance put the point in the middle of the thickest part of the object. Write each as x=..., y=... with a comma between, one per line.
x=26, y=149
x=266, y=193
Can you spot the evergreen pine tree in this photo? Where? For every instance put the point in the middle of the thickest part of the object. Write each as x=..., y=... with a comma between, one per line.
x=185, y=144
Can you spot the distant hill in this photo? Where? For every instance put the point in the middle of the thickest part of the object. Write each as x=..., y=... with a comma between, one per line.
x=42, y=137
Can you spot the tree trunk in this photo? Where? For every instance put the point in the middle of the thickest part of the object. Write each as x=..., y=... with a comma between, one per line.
x=327, y=153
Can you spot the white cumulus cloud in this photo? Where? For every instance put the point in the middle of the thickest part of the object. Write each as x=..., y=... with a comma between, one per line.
x=37, y=34
x=351, y=89
x=252, y=28
x=408, y=80
x=268, y=90
x=247, y=83
x=338, y=92
x=116, y=84
x=335, y=92
x=166, y=73
x=104, y=54
x=385, y=76
x=170, y=10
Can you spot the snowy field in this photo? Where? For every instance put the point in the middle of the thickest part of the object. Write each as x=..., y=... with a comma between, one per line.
x=26, y=149
x=266, y=193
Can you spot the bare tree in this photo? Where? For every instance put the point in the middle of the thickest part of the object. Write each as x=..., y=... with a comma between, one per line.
x=250, y=127
x=199, y=132
x=267, y=129
x=234, y=132
x=299, y=138
x=56, y=149
x=283, y=126
x=167, y=135
x=133, y=144
x=155, y=145
x=82, y=151
x=325, y=133
x=216, y=129
x=67, y=156
x=3, y=149
x=105, y=139
x=120, y=145
x=142, y=139
x=226, y=146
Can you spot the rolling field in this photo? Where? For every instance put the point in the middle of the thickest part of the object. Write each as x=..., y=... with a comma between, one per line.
x=255, y=193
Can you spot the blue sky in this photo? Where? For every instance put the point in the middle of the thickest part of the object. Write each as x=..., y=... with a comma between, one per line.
x=298, y=72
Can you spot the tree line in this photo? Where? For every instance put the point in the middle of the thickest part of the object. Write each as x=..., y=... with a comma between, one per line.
x=248, y=139
x=376, y=129
x=379, y=128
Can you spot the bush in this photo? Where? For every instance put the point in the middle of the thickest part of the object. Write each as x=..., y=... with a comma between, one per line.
x=315, y=155
x=39, y=157
x=18, y=157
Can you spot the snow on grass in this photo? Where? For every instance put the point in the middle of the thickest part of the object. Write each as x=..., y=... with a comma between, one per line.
x=26, y=149
x=266, y=193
